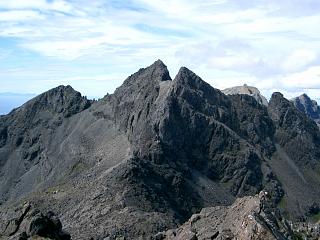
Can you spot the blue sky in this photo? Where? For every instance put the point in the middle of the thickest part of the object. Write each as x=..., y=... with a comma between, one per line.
x=94, y=45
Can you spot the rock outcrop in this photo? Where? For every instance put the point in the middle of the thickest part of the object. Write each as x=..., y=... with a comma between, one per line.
x=30, y=223
x=248, y=218
x=247, y=90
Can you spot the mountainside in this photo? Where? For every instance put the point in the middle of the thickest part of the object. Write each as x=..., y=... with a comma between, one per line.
x=247, y=90
x=308, y=106
x=144, y=159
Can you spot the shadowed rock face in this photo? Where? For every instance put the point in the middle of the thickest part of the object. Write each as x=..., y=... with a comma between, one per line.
x=26, y=134
x=199, y=112
x=30, y=223
x=308, y=106
x=296, y=161
x=144, y=159
x=295, y=131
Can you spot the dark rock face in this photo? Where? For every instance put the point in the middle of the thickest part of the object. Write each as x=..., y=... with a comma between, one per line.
x=144, y=159
x=294, y=131
x=197, y=111
x=48, y=226
x=308, y=106
x=30, y=223
x=134, y=104
x=26, y=132
x=255, y=123
x=3, y=136
x=296, y=160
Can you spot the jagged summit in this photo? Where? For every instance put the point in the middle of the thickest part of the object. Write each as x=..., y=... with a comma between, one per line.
x=158, y=71
x=308, y=106
x=277, y=95
x=186, y=76
x=159, y=63
x=277, y=98
x=143, y=81
x=247, y=90
x=61, y=99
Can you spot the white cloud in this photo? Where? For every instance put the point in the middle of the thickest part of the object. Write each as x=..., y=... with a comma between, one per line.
x=251, y=42
x=57, y=5
x=21, y=15
x=299, y=59
x=309, y=79
x=235, y=61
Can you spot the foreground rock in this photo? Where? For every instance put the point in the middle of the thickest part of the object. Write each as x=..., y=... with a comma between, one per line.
x=248, y=218
x=31, y=223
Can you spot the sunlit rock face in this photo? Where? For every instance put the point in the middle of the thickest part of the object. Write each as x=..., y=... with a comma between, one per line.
x=247, y=90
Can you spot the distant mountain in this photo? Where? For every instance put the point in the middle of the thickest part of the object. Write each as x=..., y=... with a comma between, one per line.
x=146, y=158
x=245, y=89
x=308, y=106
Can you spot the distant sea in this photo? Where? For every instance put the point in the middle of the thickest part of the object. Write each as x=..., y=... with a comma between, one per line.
x=9, y=101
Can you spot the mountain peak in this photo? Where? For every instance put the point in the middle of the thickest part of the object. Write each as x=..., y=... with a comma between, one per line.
x=276, y=95
x=152, y=75
x=159, y=63
x=308, y=106
x=303, y=98
x=186, y=77
x=157, y=71
x=184, y=71
x=63, y=87
x=304, y=95
x=61, y=99
x=247, y=90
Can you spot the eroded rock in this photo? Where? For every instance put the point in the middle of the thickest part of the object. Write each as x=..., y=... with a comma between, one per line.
x=248, y=218
x=32, y=223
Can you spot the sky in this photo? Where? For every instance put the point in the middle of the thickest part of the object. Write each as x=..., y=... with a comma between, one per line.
x=94, y=45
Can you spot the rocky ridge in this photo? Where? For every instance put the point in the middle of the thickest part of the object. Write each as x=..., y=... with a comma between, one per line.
x=144, y=159
x=248, y=218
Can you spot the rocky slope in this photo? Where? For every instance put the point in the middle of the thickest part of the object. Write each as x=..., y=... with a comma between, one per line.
x=248, y=218
x=25, y=137
x=247, y=90
x=144, y=159
x=308, y=106
x=251, y=217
